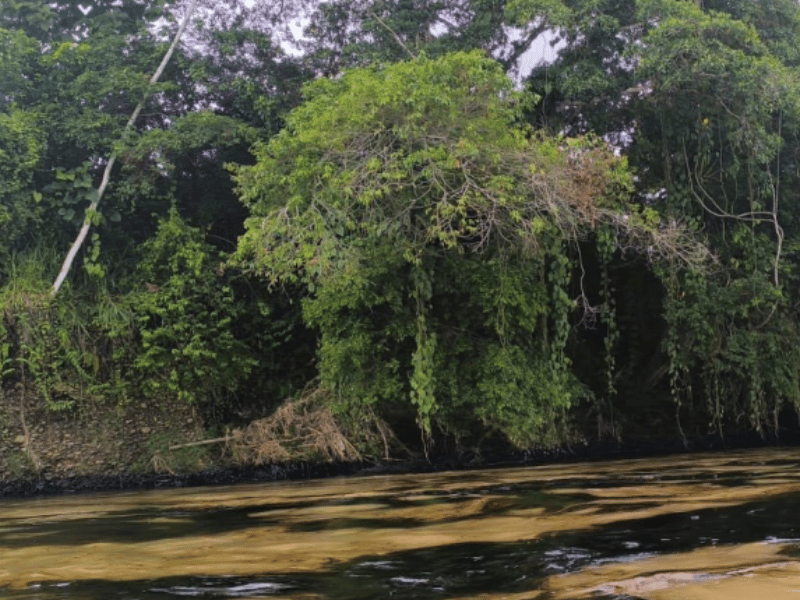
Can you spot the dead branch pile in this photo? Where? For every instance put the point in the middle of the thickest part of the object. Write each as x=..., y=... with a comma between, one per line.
x=304, y=429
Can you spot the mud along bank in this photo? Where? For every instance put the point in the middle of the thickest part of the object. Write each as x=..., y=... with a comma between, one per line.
x=158, y=443
x=38, y=445
x=129, y=447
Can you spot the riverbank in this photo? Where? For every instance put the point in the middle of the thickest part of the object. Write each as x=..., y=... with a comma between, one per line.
x=223, y=473
x=95, y=439
x=159, y=444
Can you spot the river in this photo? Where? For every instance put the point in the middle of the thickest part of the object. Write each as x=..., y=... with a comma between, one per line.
x=712, y=526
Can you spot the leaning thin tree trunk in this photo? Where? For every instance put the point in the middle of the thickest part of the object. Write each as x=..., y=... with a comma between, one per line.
x=87, y=221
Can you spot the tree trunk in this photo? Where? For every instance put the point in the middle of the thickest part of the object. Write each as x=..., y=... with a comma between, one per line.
x=87, y=221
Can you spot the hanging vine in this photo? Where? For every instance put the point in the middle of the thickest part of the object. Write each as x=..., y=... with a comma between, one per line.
x=558, y=276
x=679, y=381
x=606, y=245
x=422, y=361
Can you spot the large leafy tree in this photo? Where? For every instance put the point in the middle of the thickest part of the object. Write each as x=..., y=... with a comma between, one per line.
x=429, y=227
x=71, y=76
x=702, y=98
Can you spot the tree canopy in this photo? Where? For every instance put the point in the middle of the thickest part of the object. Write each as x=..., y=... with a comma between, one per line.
x=384, y=180
x=375, y=209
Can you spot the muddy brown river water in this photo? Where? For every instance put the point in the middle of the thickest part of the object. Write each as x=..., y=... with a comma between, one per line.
x=714, y=526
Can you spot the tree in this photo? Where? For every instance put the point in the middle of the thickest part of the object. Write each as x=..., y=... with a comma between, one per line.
x=701, y=98
x=344, y=34
x=71, y=75
x=95, y=200
x=428, y=226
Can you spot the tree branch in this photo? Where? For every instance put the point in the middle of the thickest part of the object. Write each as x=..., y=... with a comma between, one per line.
x=396, y=37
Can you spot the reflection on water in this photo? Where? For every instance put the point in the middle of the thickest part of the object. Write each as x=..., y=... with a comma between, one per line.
x=713, y=526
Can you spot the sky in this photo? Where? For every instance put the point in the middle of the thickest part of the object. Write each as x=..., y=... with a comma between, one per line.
x=541, y=51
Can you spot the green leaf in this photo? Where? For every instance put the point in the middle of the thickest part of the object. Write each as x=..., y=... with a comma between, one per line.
x=67, y=213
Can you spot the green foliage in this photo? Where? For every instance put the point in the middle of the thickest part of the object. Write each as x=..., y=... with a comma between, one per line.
x=429, y=229
x=160, y=459
x=18, y=58
x=67, y=98
x=727, y=107
x=410, y=229
x=74, y=75
x=717, y=92
x=423, y=377
x=19, y=465
x=736, y=331
x=155, y=153
x=498, y=360
x=425, y=153
x=64, y=348
x=561, y=305
x=608, y=313
x=702, y=98
x=21, y=147
x=357, y=33
x=184, y=314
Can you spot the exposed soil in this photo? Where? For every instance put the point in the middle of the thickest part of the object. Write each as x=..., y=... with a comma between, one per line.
x=101, y=446
x=92, y=439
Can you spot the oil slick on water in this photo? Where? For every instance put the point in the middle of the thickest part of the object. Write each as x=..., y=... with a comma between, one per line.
x=700, y=527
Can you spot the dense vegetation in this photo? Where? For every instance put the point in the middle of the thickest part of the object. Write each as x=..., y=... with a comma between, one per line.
x=377, y=217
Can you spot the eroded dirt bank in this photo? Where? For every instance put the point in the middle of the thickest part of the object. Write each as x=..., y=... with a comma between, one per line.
x=98, y=440
x=133, y=446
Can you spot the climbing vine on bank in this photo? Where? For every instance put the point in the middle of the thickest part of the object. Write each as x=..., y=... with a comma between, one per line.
x=736, y=333
x=561, y=308
x=606, y=248
x=422, y=381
